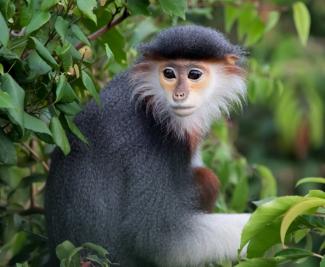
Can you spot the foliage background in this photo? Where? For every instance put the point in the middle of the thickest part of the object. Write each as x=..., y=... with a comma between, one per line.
x=56, y=54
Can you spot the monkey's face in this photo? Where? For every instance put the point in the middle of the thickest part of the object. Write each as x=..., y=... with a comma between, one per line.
x=186, y=84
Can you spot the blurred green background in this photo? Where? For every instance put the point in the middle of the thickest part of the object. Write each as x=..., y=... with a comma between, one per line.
x=53, y=59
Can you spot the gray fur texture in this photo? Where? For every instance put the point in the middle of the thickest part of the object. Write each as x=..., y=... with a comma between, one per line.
x=131, y=189
x=190, y=42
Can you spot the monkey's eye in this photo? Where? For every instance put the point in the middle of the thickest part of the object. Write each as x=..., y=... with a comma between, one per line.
x=169, y=73
x=194, y=74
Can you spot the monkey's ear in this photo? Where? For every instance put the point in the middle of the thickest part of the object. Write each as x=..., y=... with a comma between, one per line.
x=231, y=59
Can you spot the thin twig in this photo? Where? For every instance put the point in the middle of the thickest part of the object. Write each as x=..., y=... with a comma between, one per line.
x=36, y=156
x=105, y=28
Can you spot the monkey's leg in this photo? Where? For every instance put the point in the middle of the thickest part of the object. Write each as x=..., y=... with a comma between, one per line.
x=208, y=185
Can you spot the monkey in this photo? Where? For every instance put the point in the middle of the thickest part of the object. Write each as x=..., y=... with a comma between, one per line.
x=140, y=188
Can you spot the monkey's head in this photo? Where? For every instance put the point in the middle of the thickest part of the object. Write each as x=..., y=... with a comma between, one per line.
x=188, y=76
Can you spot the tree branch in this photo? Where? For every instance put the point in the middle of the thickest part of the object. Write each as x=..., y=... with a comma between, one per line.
x=105, y=28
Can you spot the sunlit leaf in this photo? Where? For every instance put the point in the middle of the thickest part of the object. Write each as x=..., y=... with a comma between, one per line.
x=272, y=20
x=268, y=182
x=265, y=215
x=64, y=249
x=4, y=33
x=109, y=52
x=86, y=7
x=318, y=180
x=297, y=210
x=302, y=21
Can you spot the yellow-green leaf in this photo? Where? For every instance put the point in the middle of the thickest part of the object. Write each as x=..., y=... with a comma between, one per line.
x=5, y=100
x=301, y=18
x=318, y=180
x=297, y=210
x=268, y=182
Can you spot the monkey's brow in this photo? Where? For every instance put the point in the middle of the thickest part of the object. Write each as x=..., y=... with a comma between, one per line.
x=185, y=65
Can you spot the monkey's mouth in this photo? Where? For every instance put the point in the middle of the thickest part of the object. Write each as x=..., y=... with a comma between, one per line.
x=183, y=111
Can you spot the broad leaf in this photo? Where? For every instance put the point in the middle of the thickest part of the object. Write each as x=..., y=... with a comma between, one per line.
x=268, y=182
x=64, y=91
x=297, y=210
x=4, y=33
x=17, y=95
x=5, y=100
x=7, y=152
x=301, y=18
x=59, y=135
x=265, y=215
x=231, y=14
x=138, y=7
x=43, y=52
x=294, y=253
x=86, y=7
x=61, y=26
x=47, y=4
x=36, y=125
x=75, y=130
x=64, y=249
x=174, y=8
x=79, y=34
x=318, y=180
x=88, y=83
x=272, y=20
x=38, y=21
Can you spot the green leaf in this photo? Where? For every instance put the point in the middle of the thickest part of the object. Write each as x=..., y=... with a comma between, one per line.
x=258, y=263
x=272, y=20
x=116, y=42
x=59, y=135
x=5, y=100
x=316, y=193
x=88, y=83
x=64, y=249
x=47, y=4
x=301, y=18
x=61, y=26
x=231, y=14
x=174, y=8
x=43, y=52
x=267, y=237
x=71, y=109
x=265, y=215
x=109, y=52
x=7, y=152
x=1, y=69
x=75, y=130
x=64, y=91
x=98, y=249
x=240, y=195
x=297, y=210
x=36, y=125
x=138, y=7
x=79, y=34
x=4, y=33
x=86, y=7
x=294, y=253
x=268, y=182
x=38, y=21
x=322, y=263
x=37, y=65
x=17, y=95
x=254, y=32
x=319, y=180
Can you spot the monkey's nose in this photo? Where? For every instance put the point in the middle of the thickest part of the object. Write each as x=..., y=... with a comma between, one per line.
x=179, y=96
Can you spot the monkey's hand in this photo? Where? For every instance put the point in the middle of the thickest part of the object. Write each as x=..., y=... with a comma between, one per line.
x=208, y=185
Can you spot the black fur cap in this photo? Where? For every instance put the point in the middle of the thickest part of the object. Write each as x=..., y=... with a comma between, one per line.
x=190, y=42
